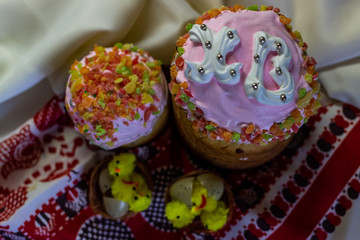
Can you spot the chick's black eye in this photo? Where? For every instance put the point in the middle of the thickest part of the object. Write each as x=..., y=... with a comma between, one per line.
x=193, y=204
x=147, y=196
x=136, y=198
x=134, y=188
x=117, y=161
x=177, y=217
x=117, y=174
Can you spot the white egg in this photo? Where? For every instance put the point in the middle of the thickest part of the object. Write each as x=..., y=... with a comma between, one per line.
x=105, y=180
x=115, y=208
x=181, y=190
x=213, y=184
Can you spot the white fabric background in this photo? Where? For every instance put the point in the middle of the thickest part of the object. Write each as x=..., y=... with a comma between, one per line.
x=39, y=39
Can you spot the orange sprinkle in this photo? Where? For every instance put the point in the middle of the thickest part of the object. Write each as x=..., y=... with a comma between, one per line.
x=311, y=69
x=184, y=85
x=84, y=71
x=81, y=128
x=284, y=20
x=308, y=114
x=213, y=13
x=250, y=129
x=180, y=42
x=223, y=8
x=311, y=104
x=213, y=124
x=87, y=102
x=173, y=71
x=213, y=135
x=195, y=125
x=258, y=138
x=295, y=114
x=206, y=16
x=237, y=7
x=199, y=20
x=73, y=66
x=227, y=136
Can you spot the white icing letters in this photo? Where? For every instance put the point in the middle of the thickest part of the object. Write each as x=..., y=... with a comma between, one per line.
x=216, y=47
x=254, y=87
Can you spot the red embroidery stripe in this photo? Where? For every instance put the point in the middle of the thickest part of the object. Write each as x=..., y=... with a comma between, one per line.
x=311, y=208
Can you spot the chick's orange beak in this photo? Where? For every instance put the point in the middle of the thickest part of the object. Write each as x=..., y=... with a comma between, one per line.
x=117, y=170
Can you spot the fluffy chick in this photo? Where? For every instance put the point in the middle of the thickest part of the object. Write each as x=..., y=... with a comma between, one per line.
x=122, y=165
x=178, y=214
x=200, y=199
x=216, y=219
x=122, y=190
x=139, y=183
x=140, y=202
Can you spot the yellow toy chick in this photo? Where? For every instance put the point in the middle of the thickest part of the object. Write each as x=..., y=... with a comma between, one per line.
x=178, y=214
x=216, y=219
x=139, y=183
x=140, y=202
x=200, y=199
x=122, y=165
x=122, y=190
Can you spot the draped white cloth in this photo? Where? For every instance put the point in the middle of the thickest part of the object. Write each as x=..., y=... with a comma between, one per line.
x=39, y=39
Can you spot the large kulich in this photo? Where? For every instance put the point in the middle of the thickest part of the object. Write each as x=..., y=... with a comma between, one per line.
x=242, y=85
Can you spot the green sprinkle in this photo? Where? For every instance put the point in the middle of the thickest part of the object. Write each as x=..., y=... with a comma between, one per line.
x=291, y=119
x=137, y=116
x=281, y=126
x=79, y=65
x=184, y=97
x=127, y=46
x=116, y=129
x=189, y=26
x=137, y=90
x=86, y=130
x=298, y=35
x=181, y=51
x=102, y=103
x=100, y=131
x=134, y=49
x=191, y=106
x=151, y=64
x=85, y=91
x=75, y=73
x=267, y=137
x=146, y=76
x=151, y=91
x=119, y=80
x=125, y=71
x=156, y=112
x=210, y=128
x=302, y=92
x=159, y=62
x=119, y=45
x=253, y=8
x=235, y=136
x=263, y=8
x=118, y=102
x=306, y=120
x=94, y=95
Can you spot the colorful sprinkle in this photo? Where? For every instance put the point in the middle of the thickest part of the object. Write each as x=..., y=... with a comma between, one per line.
x=210, y=127
x=189, y=26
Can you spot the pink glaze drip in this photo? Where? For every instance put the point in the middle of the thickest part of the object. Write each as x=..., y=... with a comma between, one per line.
x=228, y=105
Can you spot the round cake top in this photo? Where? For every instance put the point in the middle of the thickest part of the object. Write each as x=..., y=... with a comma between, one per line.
x=115, y=95
x=244, y=76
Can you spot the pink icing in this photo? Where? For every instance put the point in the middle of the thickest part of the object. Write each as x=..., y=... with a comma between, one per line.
x=228, y=105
